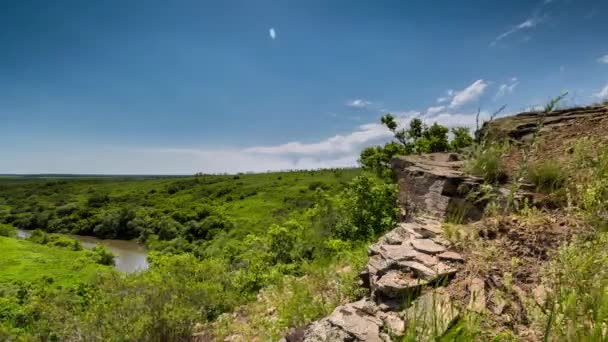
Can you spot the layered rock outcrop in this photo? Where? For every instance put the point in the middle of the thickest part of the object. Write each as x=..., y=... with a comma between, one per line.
x=405, y=271
x=407, y=266
x=521, y=127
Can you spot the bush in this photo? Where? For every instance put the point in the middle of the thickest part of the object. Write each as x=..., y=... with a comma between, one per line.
x=102, y=255
x=547, y=176
x=98, y=200
x=57, y=240
x=370, y=207
x=462, y=138
x=486, y=162
x=7, y=230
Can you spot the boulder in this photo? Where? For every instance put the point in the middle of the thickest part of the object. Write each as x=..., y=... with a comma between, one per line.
x=396, y=284
x=356, y=323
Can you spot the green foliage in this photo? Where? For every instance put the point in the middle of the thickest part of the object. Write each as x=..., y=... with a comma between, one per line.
x=7, y=230
x=369, y=207
x=418, y=138
x=209, y=254
x=579, y=286
x=25, y=261
x=102, y=255
x=548, y=176
x=285, y=241
x=56, y=240
x=462, y=138
x=588, y=185
x=486, y=161
x=434, y=139
x=377, y=158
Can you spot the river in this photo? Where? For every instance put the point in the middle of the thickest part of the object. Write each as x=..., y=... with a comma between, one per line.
x=130, y=256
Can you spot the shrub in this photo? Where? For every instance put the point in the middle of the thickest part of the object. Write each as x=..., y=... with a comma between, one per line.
x=58, y=240
x=547, y=176
x=486, y=162
x=102, y=255
x=370, y=208
x=7, y=230
x=97, y=200
x=462, y=138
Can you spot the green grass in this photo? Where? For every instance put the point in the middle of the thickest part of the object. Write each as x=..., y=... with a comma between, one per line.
x=26, y=261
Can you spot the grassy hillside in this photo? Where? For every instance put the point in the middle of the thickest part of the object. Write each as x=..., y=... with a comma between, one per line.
x=26, y=261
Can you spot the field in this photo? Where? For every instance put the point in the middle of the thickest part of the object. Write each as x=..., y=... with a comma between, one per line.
x=26, y=261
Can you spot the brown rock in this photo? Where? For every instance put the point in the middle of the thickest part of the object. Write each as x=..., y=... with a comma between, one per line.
x=358, y=324
x=477, y=302
x=540, y=295
x=396, y=283
x=426, y=259
x=427, y=246
x=451, y=256
x=324, y=331
x=397, y=252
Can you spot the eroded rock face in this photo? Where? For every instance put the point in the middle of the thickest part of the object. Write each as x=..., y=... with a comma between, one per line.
x=521, y=127
x=407, y=264
x=431, y=184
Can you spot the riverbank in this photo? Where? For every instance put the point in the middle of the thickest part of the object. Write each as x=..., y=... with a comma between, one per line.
x=26, y=261
x=129, y=256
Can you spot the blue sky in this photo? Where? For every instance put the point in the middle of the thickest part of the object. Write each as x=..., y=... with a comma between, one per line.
x=154, y=87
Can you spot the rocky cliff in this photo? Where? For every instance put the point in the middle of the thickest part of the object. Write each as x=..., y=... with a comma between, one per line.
x=571, y=121
x=409, y=265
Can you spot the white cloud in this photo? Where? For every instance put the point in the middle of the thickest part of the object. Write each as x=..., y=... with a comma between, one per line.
x=603, y=59
x=338, y=144
x=434, y=110
x=603, y=93
x=449, y=95
x=340, y=150
x=527, y=24
x=358, y=103
x=469, y=94
x=506, y=88
x=272, y=33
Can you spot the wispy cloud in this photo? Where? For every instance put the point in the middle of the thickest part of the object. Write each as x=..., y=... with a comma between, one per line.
x=468, y=94
x=603, y=59
x=447, y=97
x=358, y=103
x=602, y=94
x=506, y=88
x=272, y=33
x=527, y=24
x=434, y=110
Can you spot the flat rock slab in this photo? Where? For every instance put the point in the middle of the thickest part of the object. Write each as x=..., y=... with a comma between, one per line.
x=396, y=283
x=324, y=331
x=356, y=323
x=451, y=256
x=419, y=270
x=427, y=246
x=398, y=252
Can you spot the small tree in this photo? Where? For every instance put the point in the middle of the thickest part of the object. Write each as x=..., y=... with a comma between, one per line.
x=462, y=138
